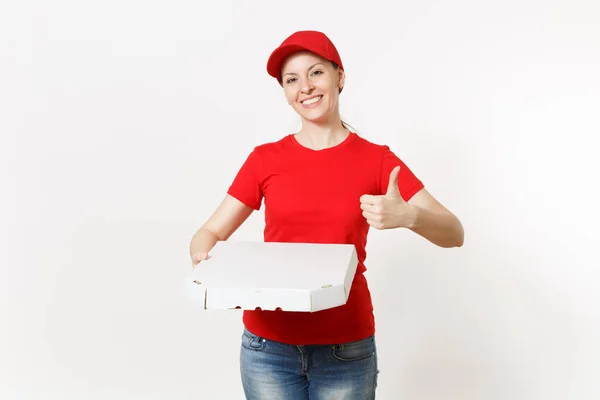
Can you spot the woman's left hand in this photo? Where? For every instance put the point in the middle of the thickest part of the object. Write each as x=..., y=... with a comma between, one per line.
x=390, y=210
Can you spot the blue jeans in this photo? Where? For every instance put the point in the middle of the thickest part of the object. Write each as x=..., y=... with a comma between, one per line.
x=277, y=371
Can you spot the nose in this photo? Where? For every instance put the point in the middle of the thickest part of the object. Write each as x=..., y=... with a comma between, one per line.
x=307, y=86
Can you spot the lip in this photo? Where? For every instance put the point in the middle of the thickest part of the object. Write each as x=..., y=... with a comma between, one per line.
x=309, y=98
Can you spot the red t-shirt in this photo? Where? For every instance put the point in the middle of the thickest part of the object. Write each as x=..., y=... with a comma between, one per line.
x=313, y=196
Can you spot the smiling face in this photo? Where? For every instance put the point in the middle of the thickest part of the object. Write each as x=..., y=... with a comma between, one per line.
x=311, y=85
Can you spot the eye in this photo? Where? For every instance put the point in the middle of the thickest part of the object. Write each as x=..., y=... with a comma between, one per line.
x=290, y=80
x=317, y=72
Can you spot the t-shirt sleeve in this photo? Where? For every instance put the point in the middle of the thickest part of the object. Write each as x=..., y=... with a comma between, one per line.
x=247, y=184
x=408, y=183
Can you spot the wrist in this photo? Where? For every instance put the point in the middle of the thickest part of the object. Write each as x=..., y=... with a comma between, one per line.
x=413, y=216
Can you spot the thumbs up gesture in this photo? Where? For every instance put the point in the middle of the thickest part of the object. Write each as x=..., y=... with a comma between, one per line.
x=388, y=211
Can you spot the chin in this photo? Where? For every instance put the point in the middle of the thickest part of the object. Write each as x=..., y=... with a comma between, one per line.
x=315, y=116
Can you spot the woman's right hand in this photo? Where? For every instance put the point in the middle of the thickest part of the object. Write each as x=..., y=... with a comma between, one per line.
x=230, y=214
x=197, y=257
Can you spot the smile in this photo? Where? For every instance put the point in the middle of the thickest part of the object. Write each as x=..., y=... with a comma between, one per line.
x=312, y=102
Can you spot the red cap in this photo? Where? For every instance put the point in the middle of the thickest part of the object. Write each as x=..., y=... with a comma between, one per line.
x=313, y=41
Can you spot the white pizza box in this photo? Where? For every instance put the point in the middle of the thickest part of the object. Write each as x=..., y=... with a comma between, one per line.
x=250, y=275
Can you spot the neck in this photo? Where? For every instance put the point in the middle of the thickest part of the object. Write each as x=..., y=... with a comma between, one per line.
x=321, y=135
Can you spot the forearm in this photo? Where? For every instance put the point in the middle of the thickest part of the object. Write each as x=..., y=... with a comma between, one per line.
x=442, y=229
x=203, y=241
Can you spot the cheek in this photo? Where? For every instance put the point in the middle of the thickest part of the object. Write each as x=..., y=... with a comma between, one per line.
x=331, y=91
x=290, y=95
x=332, y=98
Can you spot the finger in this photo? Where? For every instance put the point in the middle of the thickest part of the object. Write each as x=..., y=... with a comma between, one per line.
x=197, y=257
x=368, y=207
x=393, y=183
x=372, y=217
x=369, y=199
x=376, y=225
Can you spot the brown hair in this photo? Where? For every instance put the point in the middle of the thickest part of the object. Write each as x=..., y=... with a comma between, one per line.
x=346, y=125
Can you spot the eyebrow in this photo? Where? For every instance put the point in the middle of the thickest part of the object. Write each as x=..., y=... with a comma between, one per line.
x=309, y=68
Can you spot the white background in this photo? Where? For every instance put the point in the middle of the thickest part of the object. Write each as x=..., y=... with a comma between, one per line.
x=123, y=123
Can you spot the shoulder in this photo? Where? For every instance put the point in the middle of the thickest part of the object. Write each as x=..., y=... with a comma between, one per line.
x=381, y=154
x=370, y=147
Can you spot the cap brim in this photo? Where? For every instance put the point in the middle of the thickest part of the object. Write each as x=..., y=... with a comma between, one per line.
x=278, y=56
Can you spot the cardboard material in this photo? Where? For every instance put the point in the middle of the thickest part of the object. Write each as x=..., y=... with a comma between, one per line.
x=305, y=277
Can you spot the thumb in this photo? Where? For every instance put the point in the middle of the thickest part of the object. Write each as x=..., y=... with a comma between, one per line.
x=393, y=185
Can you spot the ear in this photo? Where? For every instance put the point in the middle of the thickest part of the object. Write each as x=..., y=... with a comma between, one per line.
x=341, y=79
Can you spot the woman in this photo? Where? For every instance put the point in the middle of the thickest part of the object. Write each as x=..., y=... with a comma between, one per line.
x=323, y=184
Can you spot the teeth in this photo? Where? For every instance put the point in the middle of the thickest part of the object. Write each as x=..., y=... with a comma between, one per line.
x=312, y=101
